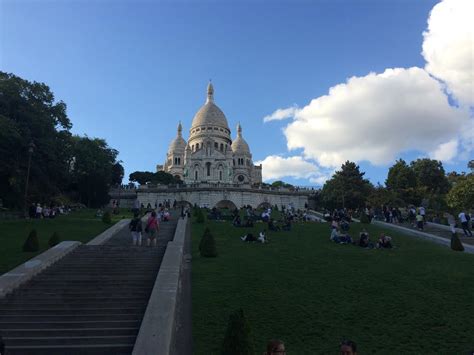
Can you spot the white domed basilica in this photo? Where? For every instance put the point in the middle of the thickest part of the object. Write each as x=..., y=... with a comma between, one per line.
x=210, y=155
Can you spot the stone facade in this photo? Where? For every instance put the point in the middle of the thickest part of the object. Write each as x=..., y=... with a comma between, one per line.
x=210, y=155
x=230, y=197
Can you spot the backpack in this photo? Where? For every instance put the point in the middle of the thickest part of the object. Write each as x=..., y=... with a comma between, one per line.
x=136, y=225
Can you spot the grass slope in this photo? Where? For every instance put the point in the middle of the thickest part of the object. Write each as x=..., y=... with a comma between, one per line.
x=311, y=293
x=80, y=225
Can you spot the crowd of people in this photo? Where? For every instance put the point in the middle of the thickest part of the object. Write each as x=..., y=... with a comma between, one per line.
x=383, y=242
x=38, y=211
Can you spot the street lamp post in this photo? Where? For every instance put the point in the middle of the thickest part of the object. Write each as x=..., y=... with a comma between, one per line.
x=31, y=148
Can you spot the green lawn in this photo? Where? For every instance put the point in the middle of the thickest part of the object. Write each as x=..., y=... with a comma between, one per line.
x=80, y=225
x=310, y=292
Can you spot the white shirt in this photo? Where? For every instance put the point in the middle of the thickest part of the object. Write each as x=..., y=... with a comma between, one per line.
x=422, y=211
x=261, y=237
x=462, y=217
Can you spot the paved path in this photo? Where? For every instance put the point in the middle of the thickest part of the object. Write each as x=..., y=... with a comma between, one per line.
x=90, y=302
x=440, y=232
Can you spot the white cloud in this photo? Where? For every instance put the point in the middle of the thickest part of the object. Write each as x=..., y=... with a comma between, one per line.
x=375, y=118
x=277, y=167
x=281, y=114
x=448, y=47
x=446, y=151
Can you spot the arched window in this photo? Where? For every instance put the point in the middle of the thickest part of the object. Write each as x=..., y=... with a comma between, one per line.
x=216, y=145
x=222, y=147
x=179, y=161
x=233, y=161
x=197, y=146
x=208, y=169
x=220, y=174
x=195, y=175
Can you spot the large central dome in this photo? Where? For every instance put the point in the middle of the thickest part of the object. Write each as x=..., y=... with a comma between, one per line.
x=210, y=114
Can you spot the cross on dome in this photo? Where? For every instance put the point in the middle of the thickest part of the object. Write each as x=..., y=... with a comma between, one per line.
x=210, y=92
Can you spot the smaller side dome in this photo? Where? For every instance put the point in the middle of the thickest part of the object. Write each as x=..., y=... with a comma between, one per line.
x=178, y=145
x=239, y=145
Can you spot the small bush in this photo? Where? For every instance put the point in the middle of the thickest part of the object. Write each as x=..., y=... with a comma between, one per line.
x=199, y=216
x=32, y=242
x=207, y=246
x=107, y=218
x=238, y=340
x=54, y=240
x=456, y=243
x=364, y=218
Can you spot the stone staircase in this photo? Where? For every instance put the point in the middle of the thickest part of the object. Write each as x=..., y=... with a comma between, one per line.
x=90, y=302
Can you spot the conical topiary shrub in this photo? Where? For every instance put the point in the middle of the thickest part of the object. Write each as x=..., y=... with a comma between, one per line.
x=238, y=340
x=456, y=243
x=32, y=242
x=54, y=240
x=364, y=218
x=199, y=216
x=207, y=246
x=107, y=217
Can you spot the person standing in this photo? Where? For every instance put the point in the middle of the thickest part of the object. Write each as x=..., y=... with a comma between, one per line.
x=152, y=227
x=135, y=227
x=464, y=219
x=451, y=222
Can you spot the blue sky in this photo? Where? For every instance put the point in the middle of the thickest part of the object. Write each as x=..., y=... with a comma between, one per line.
x=130, y=70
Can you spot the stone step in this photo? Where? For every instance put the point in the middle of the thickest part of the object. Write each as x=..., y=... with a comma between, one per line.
x=65, y=324
x=97, y=349
x=72, y=311
x=72, y=295
x=90, y=302
x=69, y=332
x=68, y=340
x=65, y=317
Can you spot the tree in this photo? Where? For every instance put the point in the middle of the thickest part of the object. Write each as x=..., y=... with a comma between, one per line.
x=402, y=182
x=160, y=177
x=461, y=196
x=62, y=165
x=238, y=340
x=29, y=114
x=346, y=188
x=92, y=170
x=207, y=246
x=431, y=175
x=280, y=183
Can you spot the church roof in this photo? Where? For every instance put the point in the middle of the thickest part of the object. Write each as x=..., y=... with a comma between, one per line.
x=178, y=145
x=210, y=114
x=239, y=145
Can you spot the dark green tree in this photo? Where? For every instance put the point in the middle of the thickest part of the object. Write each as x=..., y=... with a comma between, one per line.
x=92, y=170
x=461, y=195
x=346, y=188
x=30, y=114
x=430, y=175
x=32, y=242
x=238, y=339
x=160, y=177
x=207, y=246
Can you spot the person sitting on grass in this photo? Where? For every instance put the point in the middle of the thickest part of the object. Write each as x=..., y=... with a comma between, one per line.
x=262, y=238
x=248, y=238
x=275, y=347
x=348, y=347
x=385, y=242
x=364, y=240
x=336, y=237
x=272, y=226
